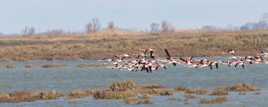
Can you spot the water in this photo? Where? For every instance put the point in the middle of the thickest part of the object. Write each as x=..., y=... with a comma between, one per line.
x=72, y=77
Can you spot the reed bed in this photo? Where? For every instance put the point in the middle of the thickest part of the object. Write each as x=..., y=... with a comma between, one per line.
x=197, y=91
x=136, y=101
x=132, y=93
x=218, y=100
x=76, y=94
x=25, y=96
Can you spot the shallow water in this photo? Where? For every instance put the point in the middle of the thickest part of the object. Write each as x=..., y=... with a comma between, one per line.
x=71, y=77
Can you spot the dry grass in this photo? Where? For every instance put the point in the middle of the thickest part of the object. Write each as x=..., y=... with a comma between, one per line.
x=107, y=44
x=197, y=91
x=122, y=86
x=218, y=100
x=219, y=92
x=127, y=89
x=107, y=94
x=135, y=101
x=131, y=93
x=24, y=96
x=189, y=96
x=80, y=94
x=242, y=87
x=156, y=92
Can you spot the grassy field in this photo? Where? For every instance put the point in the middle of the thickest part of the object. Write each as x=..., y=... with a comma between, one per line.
x=108, y=43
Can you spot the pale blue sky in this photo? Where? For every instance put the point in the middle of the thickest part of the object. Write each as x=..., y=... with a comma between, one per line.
x=72, y=15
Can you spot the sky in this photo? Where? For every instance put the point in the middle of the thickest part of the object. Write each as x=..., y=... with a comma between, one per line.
x=73, y=15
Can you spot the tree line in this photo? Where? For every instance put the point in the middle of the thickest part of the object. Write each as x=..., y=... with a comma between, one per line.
x=94, y=26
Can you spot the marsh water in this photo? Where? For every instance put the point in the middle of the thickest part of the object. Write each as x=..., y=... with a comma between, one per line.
x=71, y=77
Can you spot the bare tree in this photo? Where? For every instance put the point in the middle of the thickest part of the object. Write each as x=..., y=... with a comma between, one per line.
x=96, y=24
x=166, y=27
x=111, y=25
x=89, y=28
x=28, y=30
x=93, y=26
x=264, y=17
x=155, y=28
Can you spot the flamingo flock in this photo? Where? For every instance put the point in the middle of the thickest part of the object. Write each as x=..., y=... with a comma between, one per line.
x=147, y=61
